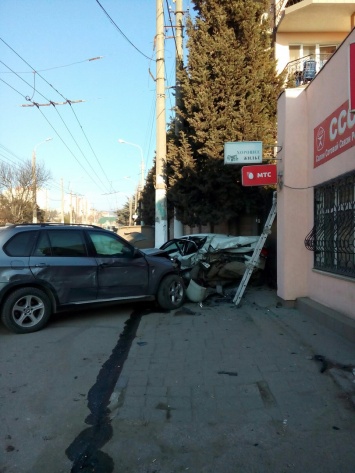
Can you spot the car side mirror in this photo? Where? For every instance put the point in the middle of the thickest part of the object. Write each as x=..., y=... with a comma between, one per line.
x=136, y=253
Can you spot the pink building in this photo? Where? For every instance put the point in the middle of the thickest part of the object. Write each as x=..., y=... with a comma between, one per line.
x=316, y=189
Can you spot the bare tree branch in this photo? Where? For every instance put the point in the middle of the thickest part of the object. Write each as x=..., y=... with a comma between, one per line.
x=16, y=186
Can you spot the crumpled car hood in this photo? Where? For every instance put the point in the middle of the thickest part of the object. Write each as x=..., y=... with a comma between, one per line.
x=153, y=252
x=206, y=245
x=239, y=244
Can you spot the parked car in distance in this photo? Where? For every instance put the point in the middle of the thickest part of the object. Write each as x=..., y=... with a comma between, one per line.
x=46, y=268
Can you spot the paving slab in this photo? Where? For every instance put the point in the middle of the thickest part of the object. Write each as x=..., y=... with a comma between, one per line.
x=216, y=388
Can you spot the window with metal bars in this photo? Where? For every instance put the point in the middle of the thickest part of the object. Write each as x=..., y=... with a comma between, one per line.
x=333, y=236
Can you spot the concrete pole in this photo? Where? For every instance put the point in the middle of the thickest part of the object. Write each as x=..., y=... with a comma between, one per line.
x=178, y=226
x=34, y=187
x=161, y=223
x=178, y=59
x=62, y=203
x=130, y=211
x=34, y=181
x=71, y=208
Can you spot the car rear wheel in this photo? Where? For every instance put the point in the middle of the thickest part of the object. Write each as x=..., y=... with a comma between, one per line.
x=171, y=292
x=26, y=310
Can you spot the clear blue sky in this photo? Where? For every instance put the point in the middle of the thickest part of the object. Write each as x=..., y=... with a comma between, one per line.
x=56, y=38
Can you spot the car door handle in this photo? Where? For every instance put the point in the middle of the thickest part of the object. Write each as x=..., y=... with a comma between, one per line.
x=41, y=265
x=105, y=265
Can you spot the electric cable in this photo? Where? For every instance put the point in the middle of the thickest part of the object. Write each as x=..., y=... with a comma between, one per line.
x=298, y=188
x=116, y=26
x=55, y=131
x=30, y=100
x=171, y=25
x=56, y=67
x=70, y=151
x=53, y=184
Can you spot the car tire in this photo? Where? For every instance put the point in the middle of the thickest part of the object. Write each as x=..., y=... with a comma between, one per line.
x=171, y=292
x=26, y=310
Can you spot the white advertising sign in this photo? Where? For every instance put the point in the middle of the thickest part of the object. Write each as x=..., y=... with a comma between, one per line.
x=243, y=152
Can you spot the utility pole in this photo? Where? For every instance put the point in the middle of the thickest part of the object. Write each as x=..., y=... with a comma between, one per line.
x=62, y=203
x=178, y=59
x=178, y=226
x=130, y=211
x=161, y=222
x=71, y=208
x=34, y=187
x=34, y=181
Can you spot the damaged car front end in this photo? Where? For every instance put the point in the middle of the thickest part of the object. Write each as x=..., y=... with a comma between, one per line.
x=212, y=259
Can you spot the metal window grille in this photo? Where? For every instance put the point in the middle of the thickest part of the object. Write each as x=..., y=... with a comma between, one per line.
x=333, y=236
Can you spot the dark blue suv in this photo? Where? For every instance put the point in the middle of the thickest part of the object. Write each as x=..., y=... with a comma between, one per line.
x=45, y=268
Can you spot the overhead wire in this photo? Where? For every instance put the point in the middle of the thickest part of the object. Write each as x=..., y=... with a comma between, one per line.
x=36, y=72
x=169, y=88
x=53, y=128
x=144, y=55
x=121, y=32
x=56, y=67
x=69, y=102
x=53, y=184
x=17, y=165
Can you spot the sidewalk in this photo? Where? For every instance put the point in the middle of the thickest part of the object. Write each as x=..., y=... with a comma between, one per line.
x=215, y=388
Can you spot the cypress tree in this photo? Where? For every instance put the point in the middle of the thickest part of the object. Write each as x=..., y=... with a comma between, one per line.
x=147, y=201
x=229, y=93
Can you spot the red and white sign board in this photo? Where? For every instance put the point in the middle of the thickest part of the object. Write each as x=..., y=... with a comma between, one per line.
x=262, y=175
x=352, y=77
x=334, y=135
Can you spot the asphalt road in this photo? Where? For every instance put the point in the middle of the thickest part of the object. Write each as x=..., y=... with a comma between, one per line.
x=48, y=380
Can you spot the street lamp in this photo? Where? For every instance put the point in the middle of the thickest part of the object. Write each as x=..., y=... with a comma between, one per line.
x=142, y=160
x=141, y=186
x=34, y=181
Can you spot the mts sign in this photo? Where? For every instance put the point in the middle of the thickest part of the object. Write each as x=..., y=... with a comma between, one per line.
x=259, y=175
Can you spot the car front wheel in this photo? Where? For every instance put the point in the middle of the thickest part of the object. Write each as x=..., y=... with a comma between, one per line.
x=171, y=292
x=26, y=310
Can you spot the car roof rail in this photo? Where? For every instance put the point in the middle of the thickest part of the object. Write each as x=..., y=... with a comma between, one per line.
x=52, y=224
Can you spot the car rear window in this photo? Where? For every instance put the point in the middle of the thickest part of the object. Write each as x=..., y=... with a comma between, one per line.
x=21, y=244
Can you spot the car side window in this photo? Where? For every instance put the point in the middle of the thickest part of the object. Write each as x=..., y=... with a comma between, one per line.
x=61, y=243
x=110, y=246
x=21, y=244
x=172, y=246
x=43, y=247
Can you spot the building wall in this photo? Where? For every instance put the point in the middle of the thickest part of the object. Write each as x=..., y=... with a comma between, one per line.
x=293, y=222
x=300, y=112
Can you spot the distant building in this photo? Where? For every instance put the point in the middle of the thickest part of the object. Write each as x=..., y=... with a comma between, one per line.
x=108, y=222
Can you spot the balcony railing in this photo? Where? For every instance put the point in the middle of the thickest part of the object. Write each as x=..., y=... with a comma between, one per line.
x=292, y=2
x=303, y=70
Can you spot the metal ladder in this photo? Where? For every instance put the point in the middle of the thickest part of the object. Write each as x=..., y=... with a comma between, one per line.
x=250, y=265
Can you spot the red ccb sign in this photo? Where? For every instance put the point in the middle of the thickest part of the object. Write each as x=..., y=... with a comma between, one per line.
x=352, y=77
x=261, y=175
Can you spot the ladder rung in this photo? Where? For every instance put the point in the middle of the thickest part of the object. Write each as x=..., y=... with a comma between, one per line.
x=250, y=265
